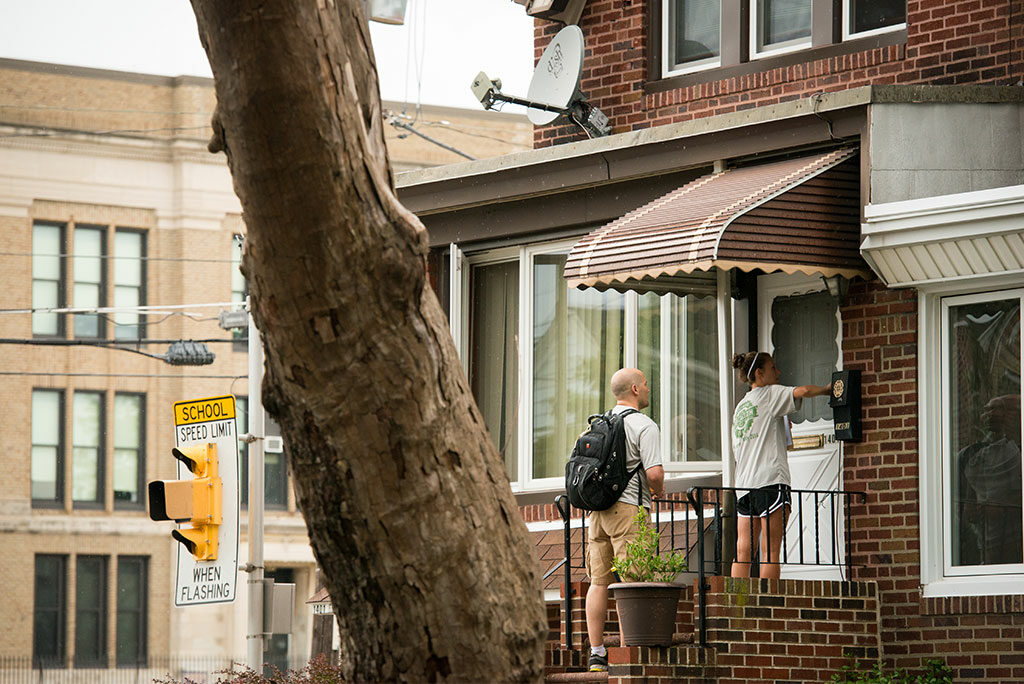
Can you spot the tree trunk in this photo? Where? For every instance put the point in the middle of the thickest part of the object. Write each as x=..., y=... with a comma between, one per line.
x=409, y=511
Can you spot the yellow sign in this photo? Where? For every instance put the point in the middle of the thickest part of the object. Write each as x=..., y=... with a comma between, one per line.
x=204, y=410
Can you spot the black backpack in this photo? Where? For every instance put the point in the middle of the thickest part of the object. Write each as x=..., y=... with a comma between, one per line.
x=596, y=475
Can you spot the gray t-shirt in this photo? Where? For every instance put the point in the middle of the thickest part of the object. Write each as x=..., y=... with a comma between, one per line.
x=643, y=444
x=759, y=436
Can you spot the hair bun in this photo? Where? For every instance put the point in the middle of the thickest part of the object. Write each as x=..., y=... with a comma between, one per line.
x=737, y=360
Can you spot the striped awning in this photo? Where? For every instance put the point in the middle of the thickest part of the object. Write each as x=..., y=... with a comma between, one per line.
x=797, y=215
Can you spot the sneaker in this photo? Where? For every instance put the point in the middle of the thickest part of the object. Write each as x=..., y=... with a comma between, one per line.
x=598, y=663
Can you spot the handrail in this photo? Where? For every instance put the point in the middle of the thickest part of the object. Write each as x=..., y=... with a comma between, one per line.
x=696, y=500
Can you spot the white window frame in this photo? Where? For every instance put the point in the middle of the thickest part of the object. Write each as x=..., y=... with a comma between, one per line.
x=938, y=579
x=525, y=256
x=777, y=48
x=668, y=66
x=848, y=33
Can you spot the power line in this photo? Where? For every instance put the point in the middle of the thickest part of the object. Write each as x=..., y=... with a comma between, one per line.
x=105, y=111
x=148, y=310
x=69, y=255
x=120, y=375
x=103, y=342
x=111, y=133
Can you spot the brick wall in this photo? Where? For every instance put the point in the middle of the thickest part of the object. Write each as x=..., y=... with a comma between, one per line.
x=982, y=638
x=962, y=42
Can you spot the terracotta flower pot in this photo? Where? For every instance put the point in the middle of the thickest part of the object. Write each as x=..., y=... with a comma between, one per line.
x=647, y=612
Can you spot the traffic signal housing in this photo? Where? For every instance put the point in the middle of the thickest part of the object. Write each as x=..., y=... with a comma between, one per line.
x=197, y=501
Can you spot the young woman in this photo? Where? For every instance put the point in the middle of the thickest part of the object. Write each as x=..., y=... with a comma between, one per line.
x=759, y=443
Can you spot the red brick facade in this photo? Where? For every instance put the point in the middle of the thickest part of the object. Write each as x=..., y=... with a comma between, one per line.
x=947, y=43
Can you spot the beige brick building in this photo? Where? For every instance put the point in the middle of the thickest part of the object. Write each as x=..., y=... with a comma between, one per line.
x=109, y=197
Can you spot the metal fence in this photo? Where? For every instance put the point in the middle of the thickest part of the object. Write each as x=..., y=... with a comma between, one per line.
x=199, y=669
x=701, y=520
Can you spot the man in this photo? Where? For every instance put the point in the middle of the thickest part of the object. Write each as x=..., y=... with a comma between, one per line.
x=612, y=529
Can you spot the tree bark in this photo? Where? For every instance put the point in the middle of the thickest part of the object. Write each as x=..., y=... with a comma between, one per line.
x=409, y=511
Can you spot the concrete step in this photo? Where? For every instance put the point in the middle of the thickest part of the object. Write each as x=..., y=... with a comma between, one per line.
x=576, y=677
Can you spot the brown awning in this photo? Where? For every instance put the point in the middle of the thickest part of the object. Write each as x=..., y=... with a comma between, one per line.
x=797, y=215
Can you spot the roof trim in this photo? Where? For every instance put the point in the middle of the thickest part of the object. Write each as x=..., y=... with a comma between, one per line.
x=936, y=240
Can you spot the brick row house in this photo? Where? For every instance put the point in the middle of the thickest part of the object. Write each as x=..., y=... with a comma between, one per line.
x=108, y=198
x=758, y=149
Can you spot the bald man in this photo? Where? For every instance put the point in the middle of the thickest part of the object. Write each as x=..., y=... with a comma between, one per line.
x=612, y=529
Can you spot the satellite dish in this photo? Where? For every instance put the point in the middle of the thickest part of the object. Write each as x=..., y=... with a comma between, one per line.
x=557, y=76
x=555, y=88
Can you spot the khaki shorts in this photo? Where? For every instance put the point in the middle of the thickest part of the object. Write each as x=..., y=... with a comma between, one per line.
x=610, y=531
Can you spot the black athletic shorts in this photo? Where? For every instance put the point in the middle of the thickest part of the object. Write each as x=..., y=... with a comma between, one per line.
x=759, y=503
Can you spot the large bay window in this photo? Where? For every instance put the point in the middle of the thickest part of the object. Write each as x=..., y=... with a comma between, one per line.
x=540, y=356
x=971, y=477
x=981, y=417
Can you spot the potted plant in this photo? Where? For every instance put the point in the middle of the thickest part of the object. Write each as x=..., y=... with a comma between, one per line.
x=647, y=598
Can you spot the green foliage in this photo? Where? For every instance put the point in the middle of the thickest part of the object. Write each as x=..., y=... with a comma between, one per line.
x=316, y=671
x=642, y=562
x=934, y=672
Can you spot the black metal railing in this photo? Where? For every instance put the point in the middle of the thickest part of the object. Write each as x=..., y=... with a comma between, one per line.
x=201, y=668
x=709, y=512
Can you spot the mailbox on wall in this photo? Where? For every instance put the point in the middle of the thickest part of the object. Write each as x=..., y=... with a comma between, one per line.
x=845, y=403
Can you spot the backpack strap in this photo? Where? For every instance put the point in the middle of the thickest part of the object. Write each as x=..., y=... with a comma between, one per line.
x=640, y=467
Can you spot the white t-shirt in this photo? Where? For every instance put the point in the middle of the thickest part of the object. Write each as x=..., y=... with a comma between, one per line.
x=643, y=444
x=759, y=436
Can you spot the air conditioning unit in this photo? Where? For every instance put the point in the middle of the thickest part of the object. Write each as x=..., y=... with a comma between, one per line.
x=565, y=11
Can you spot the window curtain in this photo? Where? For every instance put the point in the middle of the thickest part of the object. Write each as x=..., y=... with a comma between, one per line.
x=577, y=345
x=781, y=21
x=494, y=355
x=695, y=30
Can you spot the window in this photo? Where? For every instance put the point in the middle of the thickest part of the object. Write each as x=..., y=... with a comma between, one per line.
x=867, y=17
x=970, y=425
x=47, y=446
x=129, y=276
x=132, y=610
x=691, y=33
x=87, y=448
x=779, y=26
x=982, y=420
x=48, y=626
x=91, y=611
x=89, y=269
x=724, y=37
x=129, y=458
x=239, y=289
x=275, y=465
x=47, y=278
x=540, y=357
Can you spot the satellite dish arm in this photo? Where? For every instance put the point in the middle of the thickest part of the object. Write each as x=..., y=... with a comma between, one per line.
x=488, y=91
x=502, y=97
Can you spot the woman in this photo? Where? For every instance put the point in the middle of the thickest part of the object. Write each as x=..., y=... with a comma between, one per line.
x=759, y=440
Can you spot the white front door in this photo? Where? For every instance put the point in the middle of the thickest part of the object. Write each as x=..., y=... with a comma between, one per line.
x=799, y=324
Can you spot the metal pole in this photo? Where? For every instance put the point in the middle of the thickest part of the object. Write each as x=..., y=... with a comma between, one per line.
x=254, y=631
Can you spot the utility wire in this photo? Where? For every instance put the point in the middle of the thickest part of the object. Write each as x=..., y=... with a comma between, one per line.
x=407, y=127
x=119, y=375
x=69, y=255
x=42, y=342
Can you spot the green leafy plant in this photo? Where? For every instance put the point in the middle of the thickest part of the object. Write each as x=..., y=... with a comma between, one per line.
x=642, y=562
x=317, y=671
x=934, y=672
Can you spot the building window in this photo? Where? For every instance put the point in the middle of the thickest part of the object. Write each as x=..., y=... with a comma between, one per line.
x=493, y=353
x=779, y=26
x=132, y=610
x=129, y=277
x=868, y=17
x=48, y=624
x=47, y=446
x=691, y=36
x=540, y=357
x=88, y=269
x=275, y=463
x=239, y=289
x=91, y=611
x=691, y=33
x=47, y=278
x=982, y=419
x=87, y=448
x=129, y=454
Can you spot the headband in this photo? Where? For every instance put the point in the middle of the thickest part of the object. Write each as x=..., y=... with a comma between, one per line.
x=751, y=371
